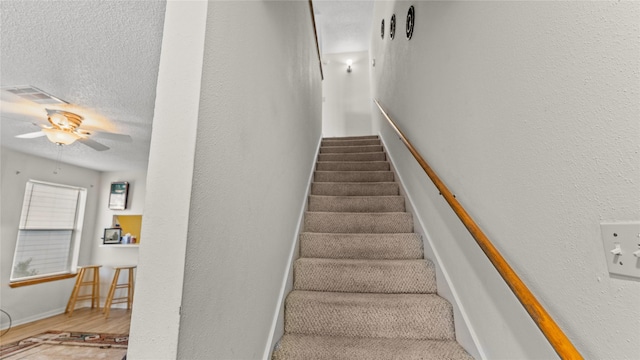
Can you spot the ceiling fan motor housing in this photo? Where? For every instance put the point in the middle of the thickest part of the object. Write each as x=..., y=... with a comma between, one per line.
x=64, y=120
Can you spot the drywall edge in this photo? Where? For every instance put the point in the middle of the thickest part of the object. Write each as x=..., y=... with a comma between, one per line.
x=155, y=325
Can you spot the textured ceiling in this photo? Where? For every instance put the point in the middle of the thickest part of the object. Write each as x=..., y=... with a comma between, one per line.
x=343, y=26
x=100, y=56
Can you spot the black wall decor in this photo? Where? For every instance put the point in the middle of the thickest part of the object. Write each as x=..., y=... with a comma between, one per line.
x=118, y=195
x=392, y=27
x=411, y=16
x=382, y=29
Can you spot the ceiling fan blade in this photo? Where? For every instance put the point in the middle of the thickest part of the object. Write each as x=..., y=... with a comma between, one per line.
x=112, y=136
x=93, y=144
x=32, y=135
x=22, y=108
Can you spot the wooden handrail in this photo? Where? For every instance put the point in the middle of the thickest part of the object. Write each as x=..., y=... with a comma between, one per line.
x=547, y=325
x=315, y=32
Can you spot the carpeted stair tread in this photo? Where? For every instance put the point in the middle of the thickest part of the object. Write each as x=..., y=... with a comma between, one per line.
x=361, y=246
x=353, y=176
x=406, y=316
x=356, y=203
x=350, y=149
x=355, y=189
x=371, y=156
x=340, y=222
x=362, y=289
x=305, y=347
x=346, y=138
x=353, y=166
x=356, y=142
x=365, y=276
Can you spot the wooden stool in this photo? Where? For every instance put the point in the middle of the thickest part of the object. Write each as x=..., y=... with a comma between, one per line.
x=114, y=285
x=95, y=288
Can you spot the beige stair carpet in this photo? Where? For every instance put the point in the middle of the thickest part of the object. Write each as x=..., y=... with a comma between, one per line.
x=362, y=289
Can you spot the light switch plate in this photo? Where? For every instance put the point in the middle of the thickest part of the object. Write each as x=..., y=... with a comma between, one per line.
x=622, y=248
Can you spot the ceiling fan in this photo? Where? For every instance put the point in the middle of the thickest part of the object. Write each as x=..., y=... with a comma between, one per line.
x=63, y=127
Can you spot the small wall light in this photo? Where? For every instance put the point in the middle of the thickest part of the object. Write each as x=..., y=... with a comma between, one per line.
x=349, y=63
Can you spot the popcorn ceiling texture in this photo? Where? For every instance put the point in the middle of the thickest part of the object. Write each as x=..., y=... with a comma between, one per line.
x=101, y=56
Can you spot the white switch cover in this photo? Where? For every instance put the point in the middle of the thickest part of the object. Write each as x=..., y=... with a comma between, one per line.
x=621, y=245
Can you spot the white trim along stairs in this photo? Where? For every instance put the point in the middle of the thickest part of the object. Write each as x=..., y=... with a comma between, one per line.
x=362, y=288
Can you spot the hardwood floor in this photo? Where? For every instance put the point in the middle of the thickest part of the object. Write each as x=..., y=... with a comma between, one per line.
x=83, y=319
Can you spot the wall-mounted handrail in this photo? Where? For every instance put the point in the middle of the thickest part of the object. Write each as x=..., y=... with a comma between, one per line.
x=547, y=325
x=315, y=32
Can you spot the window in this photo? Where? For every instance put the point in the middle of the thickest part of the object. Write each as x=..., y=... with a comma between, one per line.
x=49, y=231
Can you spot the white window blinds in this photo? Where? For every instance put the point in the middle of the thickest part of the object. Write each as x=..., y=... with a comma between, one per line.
x=49, y=207
x=47, y=229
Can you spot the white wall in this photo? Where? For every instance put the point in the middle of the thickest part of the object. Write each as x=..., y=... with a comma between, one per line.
x=109, y=255
x=346, y=107
x=26, y=304
x=260, y=123
x=155, y=318
x=529, y=112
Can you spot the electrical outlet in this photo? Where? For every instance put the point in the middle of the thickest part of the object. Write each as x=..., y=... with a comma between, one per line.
x=622, y=248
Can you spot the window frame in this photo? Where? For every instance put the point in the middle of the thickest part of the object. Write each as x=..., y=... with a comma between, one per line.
x=75, y=240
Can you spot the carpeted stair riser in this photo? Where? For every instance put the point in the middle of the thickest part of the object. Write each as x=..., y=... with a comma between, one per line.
x=362, y=288
x=355, y=189
x=365, y=276
x=350, y=149
x=372, y=156
x=305, y=347
x=353, y=176
x=377, y=223
x=356, y=203
x=346, y=138
x=405, y=316
x=353, y=166
x=350, y=142
x=361, y=246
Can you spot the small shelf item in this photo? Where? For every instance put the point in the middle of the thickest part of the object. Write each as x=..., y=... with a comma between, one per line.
x=112, y=236
x=130, y=225
x=118, y=195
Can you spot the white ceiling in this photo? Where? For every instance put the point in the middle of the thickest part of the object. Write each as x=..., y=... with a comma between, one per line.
x=343, y=26
x=102, y=57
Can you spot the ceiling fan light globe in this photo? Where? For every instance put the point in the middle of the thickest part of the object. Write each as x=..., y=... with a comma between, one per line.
x=60, y=137
x=64, y=120
x=59, y=120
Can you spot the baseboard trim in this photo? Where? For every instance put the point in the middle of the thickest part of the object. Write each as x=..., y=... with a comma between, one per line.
x=33, y=318
x=427, y=240
x=287, y=280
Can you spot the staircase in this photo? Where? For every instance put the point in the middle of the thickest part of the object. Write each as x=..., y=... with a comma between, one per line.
x=362, y=288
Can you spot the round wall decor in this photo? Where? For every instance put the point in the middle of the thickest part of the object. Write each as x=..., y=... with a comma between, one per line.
x=411, y=16
x=382, y=29
x=392, y=27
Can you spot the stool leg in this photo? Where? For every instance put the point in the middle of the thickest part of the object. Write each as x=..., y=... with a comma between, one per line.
x=130, y=290
x=95, y=291
x=112, y=290
x=74, y=294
